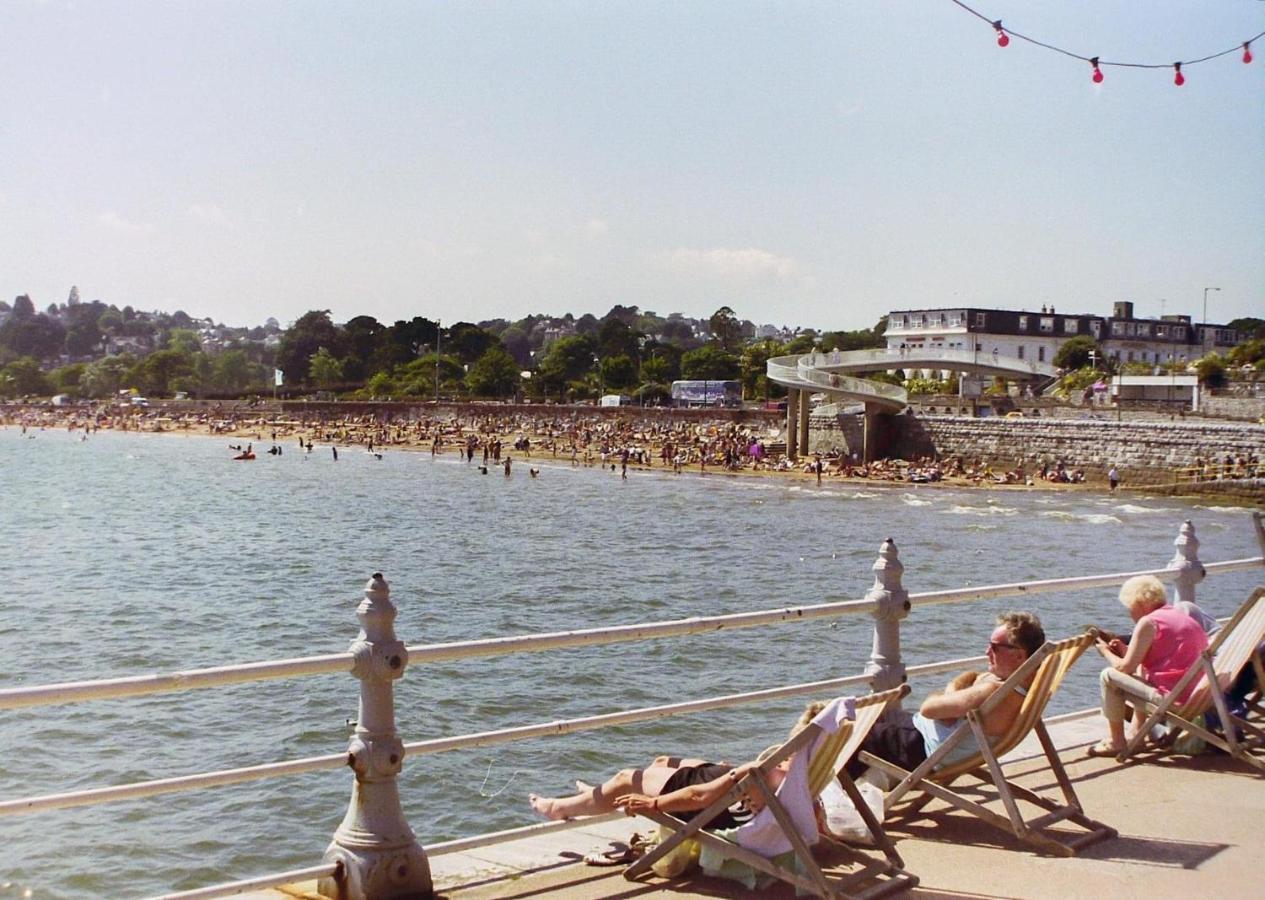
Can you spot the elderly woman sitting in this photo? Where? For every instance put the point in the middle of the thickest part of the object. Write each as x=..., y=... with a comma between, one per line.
x=1165, y=643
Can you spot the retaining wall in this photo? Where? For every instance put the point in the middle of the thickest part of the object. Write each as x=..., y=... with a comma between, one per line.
x=1135, y=448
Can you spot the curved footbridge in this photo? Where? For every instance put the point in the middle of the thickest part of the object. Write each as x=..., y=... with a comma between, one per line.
x=836, y=374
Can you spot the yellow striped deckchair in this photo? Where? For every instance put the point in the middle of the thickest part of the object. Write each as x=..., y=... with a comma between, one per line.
x=829, y=754
x=1234, y=647
x=1043, y=672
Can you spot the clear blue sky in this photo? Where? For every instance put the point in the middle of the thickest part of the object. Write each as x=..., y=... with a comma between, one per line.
x=811, y=163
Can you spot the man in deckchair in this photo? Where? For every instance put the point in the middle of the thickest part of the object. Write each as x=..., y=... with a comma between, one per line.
x=908, y=743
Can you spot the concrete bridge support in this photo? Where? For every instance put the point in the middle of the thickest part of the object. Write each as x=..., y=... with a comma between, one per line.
x=803, y=422
x=792, y=423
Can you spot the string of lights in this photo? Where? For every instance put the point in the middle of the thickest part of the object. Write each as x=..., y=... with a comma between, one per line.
x=1096, y=64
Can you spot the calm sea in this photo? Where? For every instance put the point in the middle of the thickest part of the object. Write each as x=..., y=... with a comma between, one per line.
x=127, y=554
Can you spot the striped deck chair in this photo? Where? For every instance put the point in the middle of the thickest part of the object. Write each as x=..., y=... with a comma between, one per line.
x=1044, y=672
x=1234, y=647
x=793, y=818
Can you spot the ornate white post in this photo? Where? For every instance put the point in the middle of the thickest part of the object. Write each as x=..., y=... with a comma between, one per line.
x=1190, y=571
x=380, y=856
x=885, y=670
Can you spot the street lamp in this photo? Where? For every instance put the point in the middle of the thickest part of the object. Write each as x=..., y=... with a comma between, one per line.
x=1203, y=337
x=438, y=335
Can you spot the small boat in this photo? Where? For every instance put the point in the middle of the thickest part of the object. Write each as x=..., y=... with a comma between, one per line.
x=244, y=456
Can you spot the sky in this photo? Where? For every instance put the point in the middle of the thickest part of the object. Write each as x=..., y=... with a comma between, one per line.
x=805, y=163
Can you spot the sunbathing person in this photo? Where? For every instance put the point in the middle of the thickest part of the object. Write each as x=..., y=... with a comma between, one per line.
x=1165, y=643
x=908, y=743
x=670, y=784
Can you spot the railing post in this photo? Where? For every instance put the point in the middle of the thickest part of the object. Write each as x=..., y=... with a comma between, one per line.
x=885, y=670
x=379, y=855
x=1186, y=561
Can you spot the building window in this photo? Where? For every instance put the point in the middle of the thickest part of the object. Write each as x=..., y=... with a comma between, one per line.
x=943, y=319
x=1021, y=351
x=1047, y=324
x=1117, y=328
x=1161, y=331
x=1040, y=354
x=1129, y=358
x=1144, y=329
x=1071, y=326
x=1023, y=324
x=1179, y=332
x=1096, y=328
x=980, y=319
x=904, y=321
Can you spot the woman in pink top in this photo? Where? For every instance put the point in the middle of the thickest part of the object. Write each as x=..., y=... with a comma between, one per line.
x=1165, y=644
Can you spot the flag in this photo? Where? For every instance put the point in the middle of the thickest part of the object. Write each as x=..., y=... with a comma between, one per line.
x=277, y=377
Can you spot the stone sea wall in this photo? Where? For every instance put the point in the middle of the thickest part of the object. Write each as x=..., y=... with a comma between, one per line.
x=1135, y=448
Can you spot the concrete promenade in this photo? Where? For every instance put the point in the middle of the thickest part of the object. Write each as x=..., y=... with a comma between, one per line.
x=1189, y=827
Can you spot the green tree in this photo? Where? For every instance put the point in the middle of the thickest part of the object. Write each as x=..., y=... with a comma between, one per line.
x=618, y=372
x=232, y=372
x=709, y=363
x=104, y=377
x=616, y=338
x=1212, y=371
x=66, y=379
x=656, y=369
x=753, y=367
x=36, y=336
x=1074, y=354
x=567, y=359
x=324, y=369
x=726, y=329
x=494, y=374
x=185, y=340
x=468, y=342
x=417, y=378
x=381, y=385
x=23, y=377
x=301, y=341
x=155, y=373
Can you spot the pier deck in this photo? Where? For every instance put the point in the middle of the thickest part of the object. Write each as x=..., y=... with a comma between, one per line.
x=1189, y=826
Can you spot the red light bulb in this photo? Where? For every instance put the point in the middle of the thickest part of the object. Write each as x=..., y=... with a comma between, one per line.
x=1179, y=79
x=1002, y=38
x=1097, y=76
x=1247, y=52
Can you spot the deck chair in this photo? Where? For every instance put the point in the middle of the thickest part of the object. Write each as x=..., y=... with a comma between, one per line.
x=1046, y=669
x=1233, y=648
x=823, y=753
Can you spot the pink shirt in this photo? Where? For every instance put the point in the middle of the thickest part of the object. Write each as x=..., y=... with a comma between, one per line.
x=1178, y=642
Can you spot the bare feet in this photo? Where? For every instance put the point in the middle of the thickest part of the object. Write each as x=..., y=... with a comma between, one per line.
x=544, y=807
x=583, y=787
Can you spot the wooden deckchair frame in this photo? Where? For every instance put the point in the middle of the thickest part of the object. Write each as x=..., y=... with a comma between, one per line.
x=1234, y=647
x=1042, y=672
x=890, y=869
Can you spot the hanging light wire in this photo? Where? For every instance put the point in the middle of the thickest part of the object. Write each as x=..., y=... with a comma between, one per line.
x=1096, y=61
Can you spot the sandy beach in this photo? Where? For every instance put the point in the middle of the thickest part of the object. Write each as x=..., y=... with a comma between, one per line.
x=571, y=435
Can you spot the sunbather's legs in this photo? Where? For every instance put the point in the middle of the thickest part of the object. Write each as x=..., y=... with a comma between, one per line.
x=601, y=799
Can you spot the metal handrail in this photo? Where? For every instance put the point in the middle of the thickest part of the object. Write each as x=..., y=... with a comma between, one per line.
x=71, y=692
x=94, y=796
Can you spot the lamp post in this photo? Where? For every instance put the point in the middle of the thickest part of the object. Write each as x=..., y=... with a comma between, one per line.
x=438, y=334
x=1203, y=334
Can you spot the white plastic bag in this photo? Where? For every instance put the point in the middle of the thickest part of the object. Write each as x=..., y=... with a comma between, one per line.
x=842, y=819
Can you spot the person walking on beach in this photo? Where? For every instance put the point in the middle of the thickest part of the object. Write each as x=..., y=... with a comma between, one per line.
x=1113, y=479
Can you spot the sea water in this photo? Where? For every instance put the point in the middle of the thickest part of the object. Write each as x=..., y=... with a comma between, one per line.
x=127, y=554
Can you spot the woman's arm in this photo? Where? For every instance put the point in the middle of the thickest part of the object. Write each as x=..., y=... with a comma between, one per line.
x=686, y=799
x=1139, y=645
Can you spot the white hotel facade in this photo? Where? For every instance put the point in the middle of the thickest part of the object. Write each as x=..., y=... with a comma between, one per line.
x=1037, y=336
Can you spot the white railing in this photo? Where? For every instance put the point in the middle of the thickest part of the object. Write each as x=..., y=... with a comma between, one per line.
x=377, y=658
